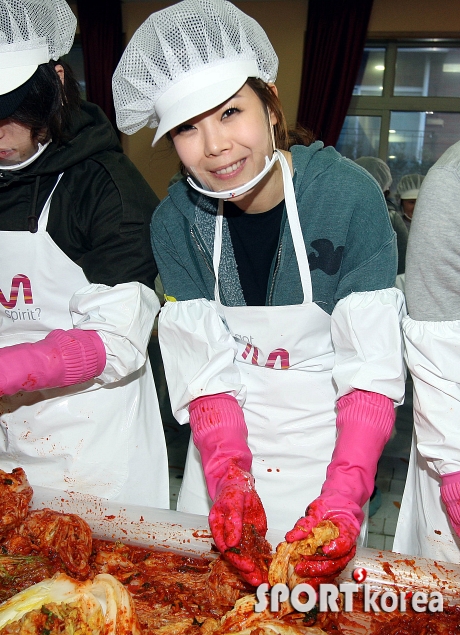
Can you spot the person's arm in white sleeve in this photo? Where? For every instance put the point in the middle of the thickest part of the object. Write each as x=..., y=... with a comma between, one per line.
x=366, y=331
x=198, y=353
x=112, y=327
x=123, y=318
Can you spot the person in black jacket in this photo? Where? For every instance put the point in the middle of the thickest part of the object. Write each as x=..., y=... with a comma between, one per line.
x=78, y=405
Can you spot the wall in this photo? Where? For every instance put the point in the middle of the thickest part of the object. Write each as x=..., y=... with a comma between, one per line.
x=285, y=24
x=415, y=18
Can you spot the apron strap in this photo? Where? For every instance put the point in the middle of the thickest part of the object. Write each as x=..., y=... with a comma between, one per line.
x=43, y=218
x=296, y=230
x=296, y=233
x=217, y=248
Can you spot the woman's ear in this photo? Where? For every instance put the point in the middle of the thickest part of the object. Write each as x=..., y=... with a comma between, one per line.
x=273, y=117
x=60, y=71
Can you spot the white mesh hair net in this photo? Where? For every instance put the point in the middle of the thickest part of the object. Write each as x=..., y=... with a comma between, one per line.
x=186, y=59
x=409, y=186
x=379, y=170
x=26, y=24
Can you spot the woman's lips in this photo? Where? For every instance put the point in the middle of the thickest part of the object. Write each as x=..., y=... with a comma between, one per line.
x=230, y=171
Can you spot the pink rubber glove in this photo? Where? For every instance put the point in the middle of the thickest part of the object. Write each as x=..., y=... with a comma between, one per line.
x=220, y=433
x=450, y=494
x=364, y=424
x=63, y=358
x=237, y=506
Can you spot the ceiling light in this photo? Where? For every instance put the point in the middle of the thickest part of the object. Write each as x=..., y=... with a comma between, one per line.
x=451, y=68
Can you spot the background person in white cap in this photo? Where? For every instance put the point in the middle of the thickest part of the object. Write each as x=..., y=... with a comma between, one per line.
x=407, y=192
x=429, y=519
x=278, y=268
x=78, y=406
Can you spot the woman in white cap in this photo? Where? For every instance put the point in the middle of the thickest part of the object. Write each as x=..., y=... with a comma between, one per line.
x=280, y=335
x=78, y=407
x=407, y=192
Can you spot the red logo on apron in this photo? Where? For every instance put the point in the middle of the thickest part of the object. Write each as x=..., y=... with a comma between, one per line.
x=278, y=353
x=18, y=280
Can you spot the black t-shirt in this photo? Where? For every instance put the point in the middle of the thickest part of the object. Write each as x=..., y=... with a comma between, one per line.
x=255, y=239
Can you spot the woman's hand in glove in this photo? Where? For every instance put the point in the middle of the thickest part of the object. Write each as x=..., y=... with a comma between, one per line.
x=62, y=358
x=237, y=504
x=364, y=424
x=337, y=553
x=237, y=518
x=450, y=494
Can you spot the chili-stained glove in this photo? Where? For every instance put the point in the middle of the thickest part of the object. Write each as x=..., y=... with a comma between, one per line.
x=238, y=503
x=220, y=433
x=364, y=424
x=62, y=358
x=323, y=568
x=450, y=494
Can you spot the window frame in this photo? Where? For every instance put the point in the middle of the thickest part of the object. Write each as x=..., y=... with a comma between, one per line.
x=382, y=105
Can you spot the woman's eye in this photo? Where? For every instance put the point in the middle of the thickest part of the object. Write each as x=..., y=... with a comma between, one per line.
x=183, y=128
x=229, y=112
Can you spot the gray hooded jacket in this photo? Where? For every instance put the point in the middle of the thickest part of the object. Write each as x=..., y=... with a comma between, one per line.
x=350, y=243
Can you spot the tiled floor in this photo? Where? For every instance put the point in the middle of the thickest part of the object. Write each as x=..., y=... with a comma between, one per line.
x=390, y=477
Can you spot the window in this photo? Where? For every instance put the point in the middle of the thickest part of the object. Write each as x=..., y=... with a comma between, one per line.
x=405, y=107
x=74, y=59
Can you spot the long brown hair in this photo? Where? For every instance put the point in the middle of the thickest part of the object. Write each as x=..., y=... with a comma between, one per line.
x=284, y=137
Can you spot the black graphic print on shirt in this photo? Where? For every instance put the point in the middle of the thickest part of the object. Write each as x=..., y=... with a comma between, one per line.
x=328, y=258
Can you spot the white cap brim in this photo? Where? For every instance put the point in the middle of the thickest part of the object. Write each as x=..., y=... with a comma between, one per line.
x=409, y=194
x=201, y=91
x=16, y=67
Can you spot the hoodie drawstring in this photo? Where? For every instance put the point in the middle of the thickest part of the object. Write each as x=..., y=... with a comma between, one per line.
x=32, y=218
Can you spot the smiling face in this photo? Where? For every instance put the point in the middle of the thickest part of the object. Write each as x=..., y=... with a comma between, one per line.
x=16, y=144
x=226, y=147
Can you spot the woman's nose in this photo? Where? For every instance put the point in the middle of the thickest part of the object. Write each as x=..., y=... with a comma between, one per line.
x=215, y=141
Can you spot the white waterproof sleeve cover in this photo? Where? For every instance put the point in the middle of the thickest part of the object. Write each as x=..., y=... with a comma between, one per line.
x=432, y=355
x=198, y=354
x=367, y=338
x=123, y=316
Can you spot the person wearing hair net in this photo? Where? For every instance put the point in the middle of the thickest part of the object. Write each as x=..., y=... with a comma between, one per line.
x=407, y=192
x=429, y=519
x=278, y=263
x=78, y=407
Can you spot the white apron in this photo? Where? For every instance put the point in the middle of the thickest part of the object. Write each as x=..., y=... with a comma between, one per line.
x=285, y=358
x=423, y=527
x=103, y=440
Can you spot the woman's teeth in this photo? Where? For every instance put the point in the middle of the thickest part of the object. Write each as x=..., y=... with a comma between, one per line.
x=231, y=168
